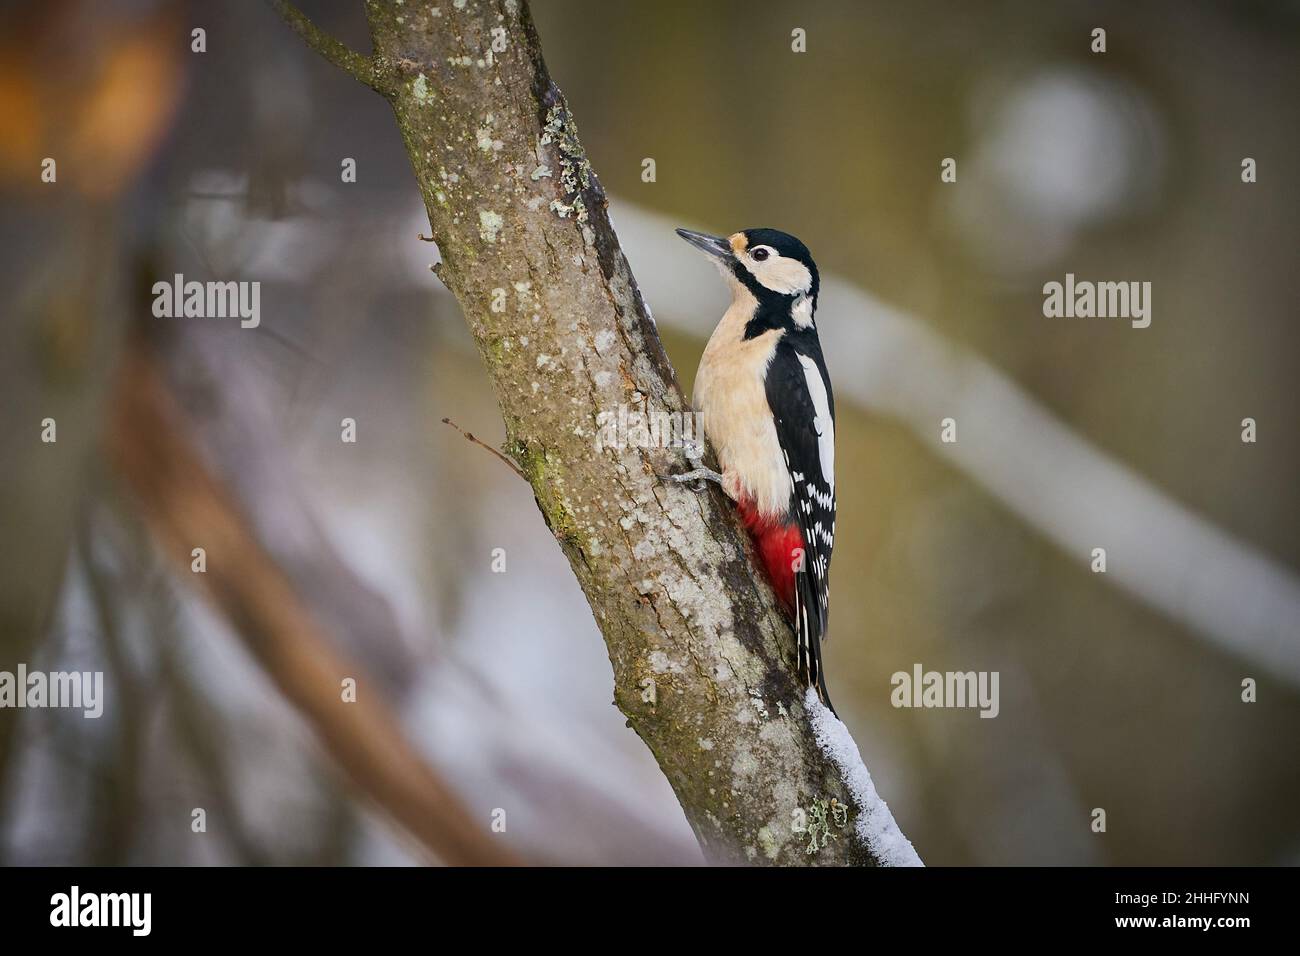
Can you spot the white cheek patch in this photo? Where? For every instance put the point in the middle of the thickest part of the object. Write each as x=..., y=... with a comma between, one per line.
x=823, y=424
x=782, y=274
x=802, y=312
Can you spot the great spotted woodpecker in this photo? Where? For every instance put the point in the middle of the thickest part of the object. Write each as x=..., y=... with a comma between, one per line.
x=767, y=407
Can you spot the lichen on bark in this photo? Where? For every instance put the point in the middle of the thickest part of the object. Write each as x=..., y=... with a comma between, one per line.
x=702, y=659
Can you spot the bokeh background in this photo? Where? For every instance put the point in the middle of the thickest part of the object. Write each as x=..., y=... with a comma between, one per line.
x=1119, y=690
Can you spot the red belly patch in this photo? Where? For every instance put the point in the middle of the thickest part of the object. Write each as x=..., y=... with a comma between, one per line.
x=779, y=546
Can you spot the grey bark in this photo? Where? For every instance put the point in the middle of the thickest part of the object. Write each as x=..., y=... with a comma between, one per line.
x=702, y=659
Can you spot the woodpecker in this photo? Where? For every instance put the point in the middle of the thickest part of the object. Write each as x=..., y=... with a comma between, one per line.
x=767, y=407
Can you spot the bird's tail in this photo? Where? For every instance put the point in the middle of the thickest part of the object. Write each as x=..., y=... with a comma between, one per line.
x=808, y=644
x=822, y=692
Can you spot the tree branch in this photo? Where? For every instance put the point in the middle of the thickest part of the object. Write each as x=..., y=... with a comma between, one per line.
x=474, y=439
x=703, y=660
x=364, y=69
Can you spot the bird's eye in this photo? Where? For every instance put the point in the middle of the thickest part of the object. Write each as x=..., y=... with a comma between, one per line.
x=760, y=254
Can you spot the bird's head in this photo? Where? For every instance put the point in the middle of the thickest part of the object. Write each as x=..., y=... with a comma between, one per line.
x=772, y=266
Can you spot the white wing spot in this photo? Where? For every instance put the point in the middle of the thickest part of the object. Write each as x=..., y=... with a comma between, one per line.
x=823, y=424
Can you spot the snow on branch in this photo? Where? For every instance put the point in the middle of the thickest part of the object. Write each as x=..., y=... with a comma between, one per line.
x=875, y=825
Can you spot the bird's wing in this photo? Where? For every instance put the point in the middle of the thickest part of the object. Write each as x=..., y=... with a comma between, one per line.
x=803, y=407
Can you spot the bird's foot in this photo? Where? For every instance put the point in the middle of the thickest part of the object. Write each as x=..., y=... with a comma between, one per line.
x=698, y=473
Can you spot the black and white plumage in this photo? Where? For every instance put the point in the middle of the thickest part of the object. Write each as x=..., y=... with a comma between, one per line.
x=803, y=407
x=769, y=411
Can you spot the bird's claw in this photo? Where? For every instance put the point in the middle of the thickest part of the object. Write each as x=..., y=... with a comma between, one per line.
x=698, y=475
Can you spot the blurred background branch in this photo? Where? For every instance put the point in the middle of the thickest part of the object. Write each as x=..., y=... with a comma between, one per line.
x=186, y=508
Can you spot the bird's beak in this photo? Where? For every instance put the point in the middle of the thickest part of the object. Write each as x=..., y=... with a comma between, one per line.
x=713, y=245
